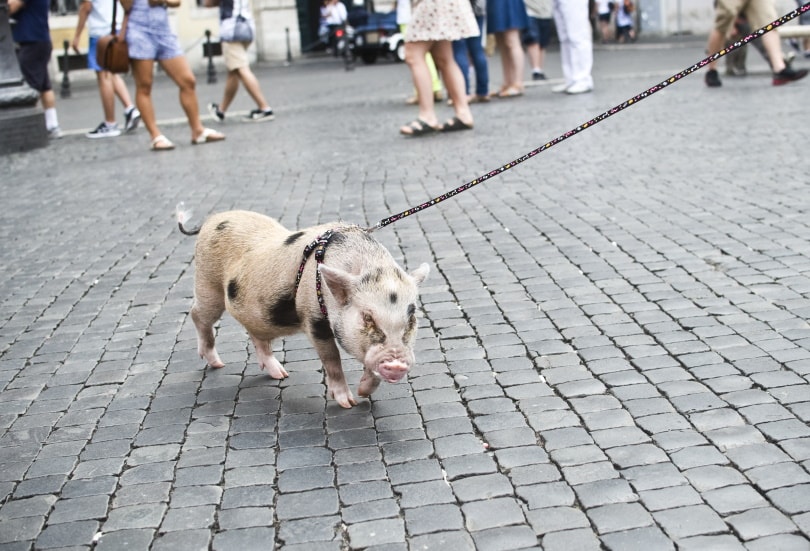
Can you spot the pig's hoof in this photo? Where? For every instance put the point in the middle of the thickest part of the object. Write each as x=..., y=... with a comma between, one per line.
x=344, y=398
x=212, y=360
x=274, y=368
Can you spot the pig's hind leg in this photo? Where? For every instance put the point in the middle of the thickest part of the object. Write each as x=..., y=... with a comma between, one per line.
x=207, y=309
x=267, y=361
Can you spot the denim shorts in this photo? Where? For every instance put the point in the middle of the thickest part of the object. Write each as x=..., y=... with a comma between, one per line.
x=91, y=54
x=152, y=38
x=538, y=32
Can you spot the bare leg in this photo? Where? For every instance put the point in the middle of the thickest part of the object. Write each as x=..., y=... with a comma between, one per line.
x=512, y=56
x=120, y=88
x=251, y=84
x=773, y=47
x=142, y=70
x=442, y=52
x=231, y=87
x=268, y=362
x=415, y=58
x=105, y=90
x=179, y=71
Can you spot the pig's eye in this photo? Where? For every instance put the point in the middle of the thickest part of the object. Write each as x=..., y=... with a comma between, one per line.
x=375, y=335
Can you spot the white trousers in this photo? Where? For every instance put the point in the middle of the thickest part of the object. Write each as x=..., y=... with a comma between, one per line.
x=576, y=41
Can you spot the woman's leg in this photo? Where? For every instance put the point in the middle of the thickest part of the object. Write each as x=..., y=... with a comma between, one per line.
x=142, y=71
x=513, y=60
x=442, y=52
x=415, y=58
x=179, y=71
x=231, y=87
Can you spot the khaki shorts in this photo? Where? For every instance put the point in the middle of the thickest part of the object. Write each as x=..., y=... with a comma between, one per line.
x=758, y=12
x=235, y=54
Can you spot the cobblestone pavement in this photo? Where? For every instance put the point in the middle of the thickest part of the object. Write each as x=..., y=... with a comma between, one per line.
x=613, y=353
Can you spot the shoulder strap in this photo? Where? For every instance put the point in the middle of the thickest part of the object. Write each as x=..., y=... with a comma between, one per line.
x=115, y=8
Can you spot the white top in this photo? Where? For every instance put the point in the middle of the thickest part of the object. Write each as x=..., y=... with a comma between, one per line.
x=334, y=14
x=100, y=19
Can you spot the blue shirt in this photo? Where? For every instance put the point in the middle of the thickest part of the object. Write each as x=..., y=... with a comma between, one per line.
x=32, y=22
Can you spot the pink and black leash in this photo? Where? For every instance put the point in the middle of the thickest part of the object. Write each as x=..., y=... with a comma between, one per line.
x=632, y=101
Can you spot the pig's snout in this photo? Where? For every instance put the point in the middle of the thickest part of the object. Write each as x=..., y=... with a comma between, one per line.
x=393, y=370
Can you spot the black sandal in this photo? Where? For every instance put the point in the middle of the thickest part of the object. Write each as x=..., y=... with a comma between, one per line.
x=418, y=128
x=455, y=124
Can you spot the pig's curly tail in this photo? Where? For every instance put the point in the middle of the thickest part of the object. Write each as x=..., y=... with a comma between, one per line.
x=184, y=215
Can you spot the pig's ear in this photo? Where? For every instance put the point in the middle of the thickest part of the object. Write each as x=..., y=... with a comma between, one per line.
x=420, y=274
x=339, y=282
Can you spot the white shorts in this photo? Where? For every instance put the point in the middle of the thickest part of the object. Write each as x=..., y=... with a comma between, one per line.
x=235, y=54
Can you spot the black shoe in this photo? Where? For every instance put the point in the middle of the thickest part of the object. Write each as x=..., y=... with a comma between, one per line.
x=538, y=75
x=713, y=79
x=258, y=115
x=788, y=75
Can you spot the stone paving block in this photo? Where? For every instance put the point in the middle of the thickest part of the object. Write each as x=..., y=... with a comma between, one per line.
x=723, y=542
x=788, y=542
x=777, y=475
x=650, y=537
x=551, y=494
x=635, y=455
x=376, y=532
x=556, y=519
x=247, y=538
x=655, y=476
x=761, y=522
x=81, y=508
x=142, y=493
x=620, y=436
x=141, y=539
x=482, y=515
x=188, y=518
x=309, y=530
x=733, y=499
x=618, y=517
x=604, y=492
x=135, y=517
x=425, y=493
x=307, y=478
x=444, y=540
x=583, y=539
x=792, y=499
x=306, y=504
x=477, y=488
x=433, y=518
x=370, y=510
x=248, y=496
x=798, y=448
x=694, y=520
x=190, y=496
x=697, y=456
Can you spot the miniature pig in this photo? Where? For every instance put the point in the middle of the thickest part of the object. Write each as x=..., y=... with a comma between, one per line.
x=247, y=263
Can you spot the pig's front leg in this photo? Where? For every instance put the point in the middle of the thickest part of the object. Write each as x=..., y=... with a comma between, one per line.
x=267, y=361
x=368, y=384
x=335, y=380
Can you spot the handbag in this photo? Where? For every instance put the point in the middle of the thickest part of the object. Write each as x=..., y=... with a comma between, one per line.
x=242, y=31
x=112, y=52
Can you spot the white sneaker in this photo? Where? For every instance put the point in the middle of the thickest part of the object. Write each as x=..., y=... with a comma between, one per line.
x=559, y=89
x=132, y=118
x=579, y=89
x=104, y=130
x=54, y=133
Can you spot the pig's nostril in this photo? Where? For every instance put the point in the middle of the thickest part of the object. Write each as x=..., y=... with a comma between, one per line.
x=394, y=367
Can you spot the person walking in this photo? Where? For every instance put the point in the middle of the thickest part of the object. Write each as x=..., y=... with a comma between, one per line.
x=150, y=39
x=33, y=38
x=236, y=61
x=758, y=13
x=576, y=46
x=97, y=15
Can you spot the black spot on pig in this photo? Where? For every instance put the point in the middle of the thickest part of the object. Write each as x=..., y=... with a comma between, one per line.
x=222, y=226
x=393, y=298
x=321, y=330
x=372, y=277
x=293, y=238
x=233, y=290
x=282, y=312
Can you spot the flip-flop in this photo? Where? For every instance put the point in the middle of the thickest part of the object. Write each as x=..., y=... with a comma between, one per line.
x=509, y=93
x=161, y=143
x=455, y=124
x=418, y=128
x=208, y=135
